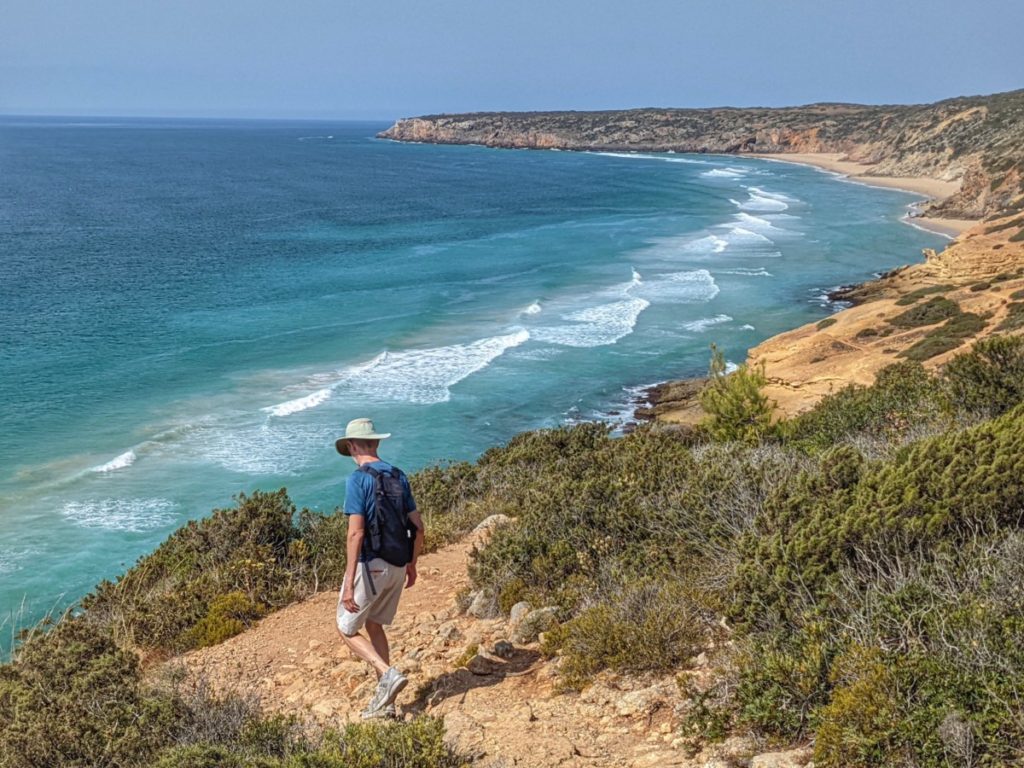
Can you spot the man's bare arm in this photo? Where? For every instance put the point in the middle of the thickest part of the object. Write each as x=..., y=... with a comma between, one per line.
x=417, y=547
x=353, y=547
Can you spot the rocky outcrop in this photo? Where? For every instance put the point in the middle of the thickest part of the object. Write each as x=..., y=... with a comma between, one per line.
x=976, y=140
x=982, y=273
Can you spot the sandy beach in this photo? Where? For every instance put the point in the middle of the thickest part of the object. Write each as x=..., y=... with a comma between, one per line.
x=934, y=189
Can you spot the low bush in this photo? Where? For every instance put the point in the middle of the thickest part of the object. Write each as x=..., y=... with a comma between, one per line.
x=946, y=337
x=903, y=399
x=988, y=380
x=826, y=323
x=71, y=697
x=1014, y=319
x=920, y=293
x=215, y=575
x=933, y=311
x=648, y=626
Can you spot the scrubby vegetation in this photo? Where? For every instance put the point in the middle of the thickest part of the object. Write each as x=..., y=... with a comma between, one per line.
x=865, y=557
x=915, y=295
x=863, y=560
x=73, y=698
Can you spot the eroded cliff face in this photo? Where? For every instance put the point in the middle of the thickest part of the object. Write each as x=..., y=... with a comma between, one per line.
x=977, y=284
x=977, y=140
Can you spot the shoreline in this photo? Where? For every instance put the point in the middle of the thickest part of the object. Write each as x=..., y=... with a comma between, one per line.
x=932, y=189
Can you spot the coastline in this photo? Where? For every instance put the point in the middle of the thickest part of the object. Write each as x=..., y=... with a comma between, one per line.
x=932, y=189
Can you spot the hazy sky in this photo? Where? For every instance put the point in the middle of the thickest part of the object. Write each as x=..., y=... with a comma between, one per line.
x=390, y=58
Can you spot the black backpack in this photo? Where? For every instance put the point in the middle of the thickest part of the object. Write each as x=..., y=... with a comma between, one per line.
x=390, y=534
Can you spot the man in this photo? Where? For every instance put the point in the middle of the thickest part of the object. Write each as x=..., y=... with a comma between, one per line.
x=377, y=498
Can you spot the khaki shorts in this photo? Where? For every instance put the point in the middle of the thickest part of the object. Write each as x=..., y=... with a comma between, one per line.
x=388, y=581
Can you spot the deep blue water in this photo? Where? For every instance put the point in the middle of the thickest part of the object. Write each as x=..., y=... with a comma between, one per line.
x=189, y=309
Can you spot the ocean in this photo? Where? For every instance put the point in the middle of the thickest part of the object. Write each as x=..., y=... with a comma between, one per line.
x=193, y=309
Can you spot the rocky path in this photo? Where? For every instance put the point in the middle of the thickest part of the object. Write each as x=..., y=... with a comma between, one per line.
x=503, y=707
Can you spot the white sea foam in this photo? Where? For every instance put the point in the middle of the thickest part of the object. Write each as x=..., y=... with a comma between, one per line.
x=121, y=461
x=746, y=327
x=693, y=286
x=299, y=404
x=701, y=325
x=741, y=235
x=745, y=272
x=663, y=158
x=724, y=173
x=425, y=375
x=13, y=559
x=772, y=195
x=760, y=203
x=533, y=309
x=121, y=514
x=595, y=326
x=758, y=224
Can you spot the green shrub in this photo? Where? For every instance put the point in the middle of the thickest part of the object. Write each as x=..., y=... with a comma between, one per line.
x=946, y=337
x=903, y=397
x=936, y=490
x=1014, y=319
x=229, y=614
x=255, y=550
x=920, y=293
x=1018, y=295
x=782, y=680
x=652, y=626
x=988, y=380
x=984, y=285
x=417, y=744
x=736, y=408
x=866, y=333
x=71, y=697
x=826, y=323
x=933, y=311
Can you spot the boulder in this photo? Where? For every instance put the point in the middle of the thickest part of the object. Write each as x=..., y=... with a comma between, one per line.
x=518, y=613
x=504, y=649
x=492, y=522
x=793, y=758
x=535, y=622
x=483, y=605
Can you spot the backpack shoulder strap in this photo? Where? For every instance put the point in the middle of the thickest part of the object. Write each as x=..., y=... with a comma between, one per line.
x=371, y=543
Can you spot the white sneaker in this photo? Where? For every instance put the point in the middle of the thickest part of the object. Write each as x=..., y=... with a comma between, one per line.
x=390, y=685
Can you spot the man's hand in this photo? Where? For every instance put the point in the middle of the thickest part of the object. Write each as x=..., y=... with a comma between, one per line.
x=410, y=575
x=348, y=599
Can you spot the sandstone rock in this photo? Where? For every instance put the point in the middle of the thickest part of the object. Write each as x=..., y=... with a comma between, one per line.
x=794, y=758
x=482, y=605
x=504, y=649
x=464, y=734
x=491, y=522
x=518, y=613
x=479, y=665
x=534, y=623
x=449, y=633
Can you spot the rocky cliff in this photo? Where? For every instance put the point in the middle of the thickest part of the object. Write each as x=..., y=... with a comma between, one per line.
x=977, y=140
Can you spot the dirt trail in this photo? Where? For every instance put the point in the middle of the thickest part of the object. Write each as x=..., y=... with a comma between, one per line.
x=504, y=711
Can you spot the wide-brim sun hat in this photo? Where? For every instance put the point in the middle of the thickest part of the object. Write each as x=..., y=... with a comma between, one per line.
x=358, y=429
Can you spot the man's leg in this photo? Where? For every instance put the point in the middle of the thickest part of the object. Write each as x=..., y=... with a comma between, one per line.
x=380, y=641
x=366, y=650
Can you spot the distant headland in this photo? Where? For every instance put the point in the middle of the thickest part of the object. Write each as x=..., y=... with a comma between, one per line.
x=973, y=142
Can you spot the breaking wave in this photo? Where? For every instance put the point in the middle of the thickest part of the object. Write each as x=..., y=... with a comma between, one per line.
x=121, y=461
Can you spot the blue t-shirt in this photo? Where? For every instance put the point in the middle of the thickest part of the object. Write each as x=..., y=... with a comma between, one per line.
x=359, y=493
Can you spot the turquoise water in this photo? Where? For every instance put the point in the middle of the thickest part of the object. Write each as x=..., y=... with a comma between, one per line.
x=193, y=309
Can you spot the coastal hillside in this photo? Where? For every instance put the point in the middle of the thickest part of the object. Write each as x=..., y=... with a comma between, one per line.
x=976, y=140
x=843, y=587
x=926, y=313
